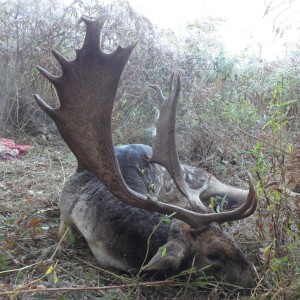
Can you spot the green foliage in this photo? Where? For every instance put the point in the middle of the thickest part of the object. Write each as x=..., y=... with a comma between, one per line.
x=150, y=185
x=241, y=114
x=278, y=222
x=3, y=261
x=218, y=203
x=223, y=65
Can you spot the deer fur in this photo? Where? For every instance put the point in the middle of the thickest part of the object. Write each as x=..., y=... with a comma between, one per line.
x=117, y=233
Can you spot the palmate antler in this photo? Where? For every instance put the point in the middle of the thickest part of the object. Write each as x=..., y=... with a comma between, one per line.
x=165, y=153
x=86, y=90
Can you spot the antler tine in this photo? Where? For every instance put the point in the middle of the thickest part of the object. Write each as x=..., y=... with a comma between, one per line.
x=53, y=79
x=172, y=83
x=164, y=143
x=165, y=153
x=44, y=106
x=61, y=59
x=241, y=212
x=251, y=199
x=159, y=95
x=92, y=37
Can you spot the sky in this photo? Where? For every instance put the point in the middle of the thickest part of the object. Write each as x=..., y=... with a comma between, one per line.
x=245, y=21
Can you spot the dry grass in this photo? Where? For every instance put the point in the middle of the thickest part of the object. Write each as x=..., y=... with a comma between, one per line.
x=32, y=258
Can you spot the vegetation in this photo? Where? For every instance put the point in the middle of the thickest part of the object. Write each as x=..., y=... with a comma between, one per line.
x=235, y=114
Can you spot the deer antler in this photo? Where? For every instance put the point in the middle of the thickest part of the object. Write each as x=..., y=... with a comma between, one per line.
x=86, y=91
x=165, y=153
x=164, y=142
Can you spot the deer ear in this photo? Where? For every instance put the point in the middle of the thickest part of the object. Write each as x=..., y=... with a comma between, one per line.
x=168, y=256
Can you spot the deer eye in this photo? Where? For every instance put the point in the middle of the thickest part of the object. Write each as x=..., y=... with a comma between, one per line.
x=215, y=257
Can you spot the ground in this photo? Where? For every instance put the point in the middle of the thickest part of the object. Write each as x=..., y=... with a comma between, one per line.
x=31, y=256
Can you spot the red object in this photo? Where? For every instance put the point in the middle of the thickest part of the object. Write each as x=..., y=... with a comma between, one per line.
x=9, y=149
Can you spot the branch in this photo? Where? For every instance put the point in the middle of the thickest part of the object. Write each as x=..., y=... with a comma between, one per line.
x=263, y=141
x=88, y=288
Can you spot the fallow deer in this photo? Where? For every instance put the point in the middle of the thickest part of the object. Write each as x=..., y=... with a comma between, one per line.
x=118, y=194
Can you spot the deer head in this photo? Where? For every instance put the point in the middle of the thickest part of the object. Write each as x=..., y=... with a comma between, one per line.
x=86, y=90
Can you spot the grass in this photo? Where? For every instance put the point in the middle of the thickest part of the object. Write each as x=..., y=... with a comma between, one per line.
x=35, y=265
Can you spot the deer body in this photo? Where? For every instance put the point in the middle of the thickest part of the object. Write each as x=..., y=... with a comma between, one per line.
x=117, y=233
x=121, y=230
x=118, y=194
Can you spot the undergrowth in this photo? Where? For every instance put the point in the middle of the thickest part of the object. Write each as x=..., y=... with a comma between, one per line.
x=236, y=114
x=32, y=259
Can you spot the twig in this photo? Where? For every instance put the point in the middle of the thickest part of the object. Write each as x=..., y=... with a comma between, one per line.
x=263, y=188
x=263, y=141
x=104, y=271
x=59, y=243
x=87, y=288
x=19, y=269
x=35, y=264
x=190, y=277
